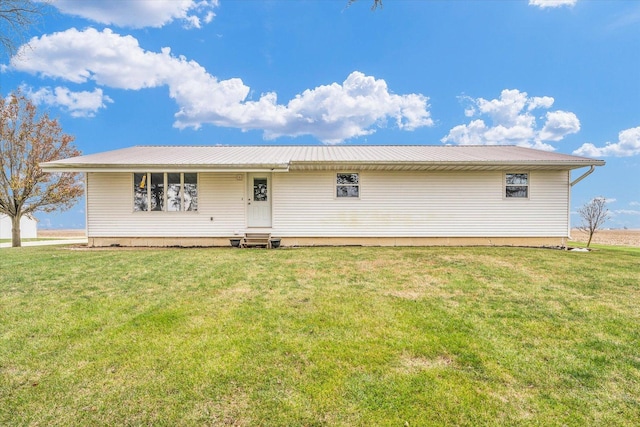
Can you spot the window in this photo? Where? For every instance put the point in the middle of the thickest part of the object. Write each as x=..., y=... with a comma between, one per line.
x=174, y=195
x=516, y=185
x=347, y=185
x=168, y=192
x=260, y=189
x=157, y=191
x=190, y=192
x=140, y=194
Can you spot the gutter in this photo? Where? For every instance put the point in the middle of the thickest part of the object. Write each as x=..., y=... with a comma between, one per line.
x=438, y=165
x=583, y=176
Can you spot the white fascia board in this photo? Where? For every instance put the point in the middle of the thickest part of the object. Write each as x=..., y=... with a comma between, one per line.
x=161, y=168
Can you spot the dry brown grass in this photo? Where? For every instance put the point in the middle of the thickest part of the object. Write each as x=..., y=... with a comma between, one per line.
x=609, y=237
x=62, y=234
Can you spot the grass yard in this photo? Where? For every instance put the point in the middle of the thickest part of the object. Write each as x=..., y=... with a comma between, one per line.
x=320, y=336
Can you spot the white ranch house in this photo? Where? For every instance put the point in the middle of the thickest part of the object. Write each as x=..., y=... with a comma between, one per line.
x=328, y=195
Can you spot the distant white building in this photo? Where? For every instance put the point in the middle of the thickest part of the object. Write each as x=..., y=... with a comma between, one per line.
x=28, y=227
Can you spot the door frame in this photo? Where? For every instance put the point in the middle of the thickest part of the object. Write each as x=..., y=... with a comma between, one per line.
x=250, y=204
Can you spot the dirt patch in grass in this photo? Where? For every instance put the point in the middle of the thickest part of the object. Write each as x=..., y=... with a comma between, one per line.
x=609, y=237
x=412, y=364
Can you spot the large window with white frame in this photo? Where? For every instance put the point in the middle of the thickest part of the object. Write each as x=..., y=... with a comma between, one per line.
x=165, y=192
x=348, y=185
x=516, y=185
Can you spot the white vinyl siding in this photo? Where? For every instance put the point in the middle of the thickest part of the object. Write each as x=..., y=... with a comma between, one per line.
x=111, y=214
x=304, y=204
x=420, y=204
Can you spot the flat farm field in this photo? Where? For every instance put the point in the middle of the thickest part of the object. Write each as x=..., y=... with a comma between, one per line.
x=61, y=234
x=616, y=237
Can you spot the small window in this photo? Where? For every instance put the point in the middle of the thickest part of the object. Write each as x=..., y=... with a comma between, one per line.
x=260, y=190
x=168, y=192
x=517, y=185
x=348, y=185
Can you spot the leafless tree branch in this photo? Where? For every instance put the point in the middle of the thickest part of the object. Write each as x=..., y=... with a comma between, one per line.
x=16, y=17
x=594, y=214
x=374, y=6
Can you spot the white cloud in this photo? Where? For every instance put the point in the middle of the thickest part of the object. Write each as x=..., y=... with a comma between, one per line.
x=512, y=122
x=78, y=104
x=626, y=212
x=332, y=113
x=558, y=125
x=543, y=4
x=540, y=102
x=628, y=145
x=634, y=204
x=141, y=13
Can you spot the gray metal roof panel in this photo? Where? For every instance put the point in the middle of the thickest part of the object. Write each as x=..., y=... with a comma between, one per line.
x=284, y=157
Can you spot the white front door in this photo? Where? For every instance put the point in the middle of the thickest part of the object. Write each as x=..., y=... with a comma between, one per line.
x=259, y=200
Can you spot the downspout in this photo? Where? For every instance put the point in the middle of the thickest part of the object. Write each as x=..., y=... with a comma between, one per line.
x=86, y=208
x=583, y=176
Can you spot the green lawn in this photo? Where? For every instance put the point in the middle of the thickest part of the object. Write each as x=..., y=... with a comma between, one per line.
x=319, y=336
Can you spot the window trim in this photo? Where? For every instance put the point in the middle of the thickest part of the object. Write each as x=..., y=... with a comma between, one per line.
x=165, y=200
x=358, y=186
x=505, y=185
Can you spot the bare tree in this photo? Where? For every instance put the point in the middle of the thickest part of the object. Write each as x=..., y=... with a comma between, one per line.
x=16, y=16
x=594, y=214
x=26, y=140
x=374, y=6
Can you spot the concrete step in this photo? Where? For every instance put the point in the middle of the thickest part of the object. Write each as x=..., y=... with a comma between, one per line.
x=254, y=240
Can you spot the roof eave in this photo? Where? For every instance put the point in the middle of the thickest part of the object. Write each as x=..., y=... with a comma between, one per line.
x=61, y=166
x=53, y=167
x=446, y=165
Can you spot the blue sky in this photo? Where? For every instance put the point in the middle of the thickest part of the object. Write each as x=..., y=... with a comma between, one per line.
x=558, y=75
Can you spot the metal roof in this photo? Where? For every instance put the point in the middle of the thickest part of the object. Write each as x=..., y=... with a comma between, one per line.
x=285, y=158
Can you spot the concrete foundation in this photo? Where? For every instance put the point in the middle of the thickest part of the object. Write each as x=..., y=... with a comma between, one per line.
x=331, y=241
